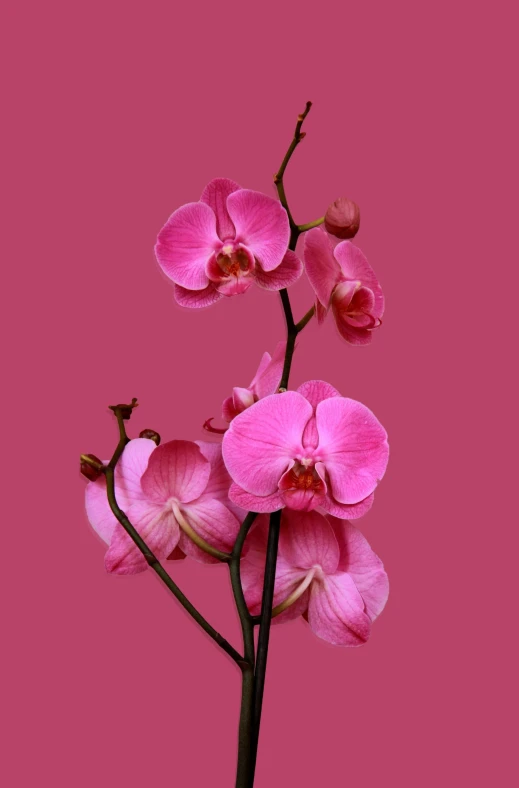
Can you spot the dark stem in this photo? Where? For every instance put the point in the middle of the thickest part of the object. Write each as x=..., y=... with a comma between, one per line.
x=145, y=550
x=247, y=689
x=293, y=330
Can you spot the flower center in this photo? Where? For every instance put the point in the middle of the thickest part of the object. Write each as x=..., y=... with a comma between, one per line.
x=304, y=477
x=233, y=263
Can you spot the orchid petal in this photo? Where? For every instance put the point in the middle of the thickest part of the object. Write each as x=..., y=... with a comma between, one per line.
x=353, y=446
x=287, y=272
x=196, y=299
x=177, y=469
x=336, y=611
x=127, y=483
x=255, y=503
x=215, y=195
x=185, y=244
x=365, y=567
x=267, y=381
x=261, y=224
x=347, y=511
x=307, y=540
x=321, y=267
x=354, y=266
x=157, y=527
x=214, y=522
x=261, y=442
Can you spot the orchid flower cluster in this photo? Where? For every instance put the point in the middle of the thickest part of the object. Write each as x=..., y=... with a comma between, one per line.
x=273, y=499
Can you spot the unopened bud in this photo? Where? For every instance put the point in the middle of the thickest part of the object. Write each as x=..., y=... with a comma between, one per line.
x=342, y=218
x=150, y=435
x=91, y=467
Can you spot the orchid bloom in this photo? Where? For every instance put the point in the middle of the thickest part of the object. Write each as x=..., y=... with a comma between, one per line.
x=305, y=449
x=222, y=244
x=165, y=491
x=325, y=571
x=343, y=279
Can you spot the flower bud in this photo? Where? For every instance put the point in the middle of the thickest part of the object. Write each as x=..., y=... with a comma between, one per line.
x=90, y=466
x=342, y=218
x=150, y=435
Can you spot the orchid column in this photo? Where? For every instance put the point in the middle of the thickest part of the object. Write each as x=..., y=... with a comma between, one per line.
x=293, y=466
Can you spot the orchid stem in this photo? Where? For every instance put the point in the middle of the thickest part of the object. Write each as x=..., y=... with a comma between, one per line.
x=109, y=471
x=245, y=731
x=293, y=330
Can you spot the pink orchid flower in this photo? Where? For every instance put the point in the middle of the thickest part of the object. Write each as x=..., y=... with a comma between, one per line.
x=159, y=487
x=265, y=381
x=343, y=279
x=222, y=244
x=306, y=449
x=326, y=571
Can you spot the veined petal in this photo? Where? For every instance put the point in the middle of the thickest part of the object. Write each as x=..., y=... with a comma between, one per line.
x=262, y=441
x=355, y=266
x=321, y=267
x=214, y=522
x=196, y=299
x=347, y=511
x=177, y=469
x=127, y=482
x=268, y=379
x=255, y=503
x=315, y=391
x=287, y=272
x=353, y=447
x=336, y=611
x=320, y=312
x=261, y=224
x=352, y=334
x=363, y=565
x=158, y=528
x=185, y=244
x=215, y=195
x=307, y=539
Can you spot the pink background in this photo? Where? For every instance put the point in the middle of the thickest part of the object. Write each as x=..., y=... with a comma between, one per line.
x=117, y=114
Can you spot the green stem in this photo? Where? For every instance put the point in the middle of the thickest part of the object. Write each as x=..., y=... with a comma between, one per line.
x=153, y=562
x=310, y=225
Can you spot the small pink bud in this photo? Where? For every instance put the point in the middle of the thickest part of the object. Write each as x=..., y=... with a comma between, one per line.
x=90, y=466
x=342, y=218
x=151, y=435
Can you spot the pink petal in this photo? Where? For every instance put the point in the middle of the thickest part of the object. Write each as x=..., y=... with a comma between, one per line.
x=177, y=469
x=355, y=266
x=228, y=409
x=242, y=399
x=336, y=611
x=355, y=336
x=261, y=224
x=321, y=267
x=343, y=294
x=263, y=366
x=255, y=503
x=158, y=528
x=261, y=442
x=219, y=480
x=320, y=312
x=131, y=466
x=214, y=522
x=353, y=446
x=252, y=571
x=361, y=308
x=235, y=285
x=365, y=567
x=287, y=272
x=215, y=195
x=196, y=299
x=315, y=391
x=347, y=511
x=185, y=244
x=268, y=379
x=307, y=540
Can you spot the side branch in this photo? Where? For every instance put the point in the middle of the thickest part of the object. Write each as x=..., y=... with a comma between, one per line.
x=123, y=412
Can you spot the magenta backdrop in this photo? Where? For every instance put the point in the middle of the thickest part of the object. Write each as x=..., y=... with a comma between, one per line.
x=119, y=113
